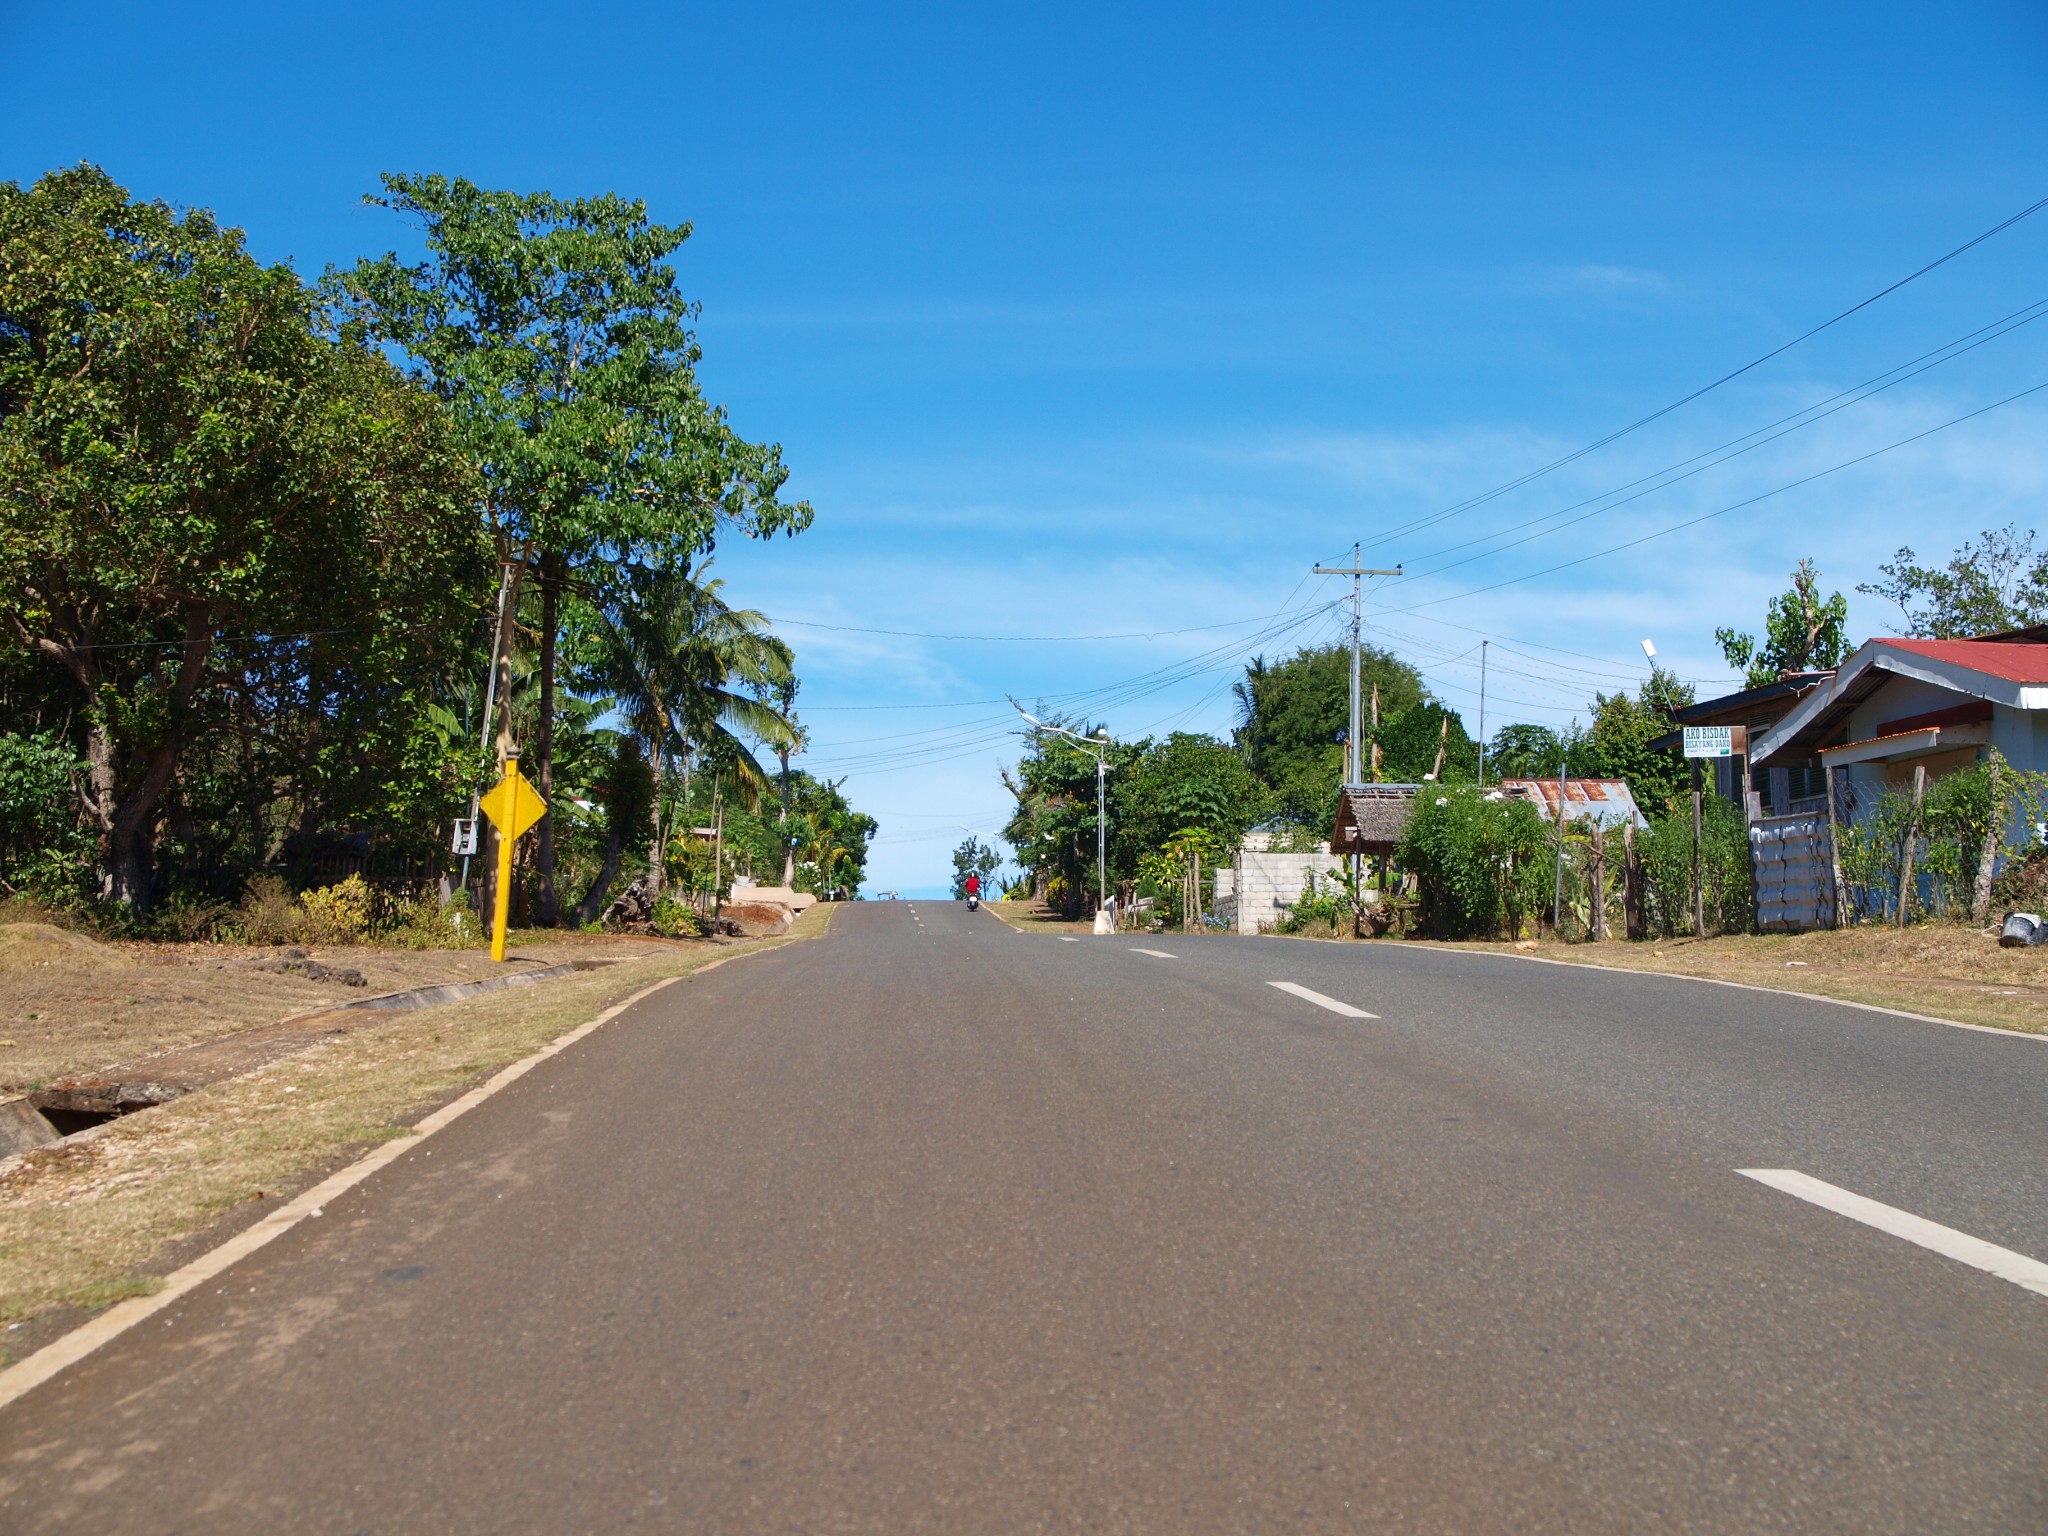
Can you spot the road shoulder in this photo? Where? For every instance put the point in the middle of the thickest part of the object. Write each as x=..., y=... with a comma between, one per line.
x=102, y=1219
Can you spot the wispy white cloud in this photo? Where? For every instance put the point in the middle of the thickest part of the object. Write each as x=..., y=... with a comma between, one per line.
x=1596, y=277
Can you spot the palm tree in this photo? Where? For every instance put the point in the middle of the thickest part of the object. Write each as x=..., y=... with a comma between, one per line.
x=689, y=672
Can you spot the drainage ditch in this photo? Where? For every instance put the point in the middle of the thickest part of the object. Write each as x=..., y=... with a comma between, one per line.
x=56, y=1114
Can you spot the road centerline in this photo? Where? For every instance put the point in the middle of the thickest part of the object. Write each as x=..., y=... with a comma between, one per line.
x=1309, y=995
x=2029, y=1274
x=1156, y=954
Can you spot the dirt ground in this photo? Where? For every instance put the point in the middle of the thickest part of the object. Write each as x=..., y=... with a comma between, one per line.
x=70, y=1005
x=1033, y=918
x=1939, y=969
x=86, y=1222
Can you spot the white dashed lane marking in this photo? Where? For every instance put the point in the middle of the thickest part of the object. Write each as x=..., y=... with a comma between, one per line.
x=1156, y=954
x=1331, y=1003
x=2028, y=1274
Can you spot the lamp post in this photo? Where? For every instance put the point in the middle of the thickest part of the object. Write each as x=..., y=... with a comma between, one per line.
x=1099, y=744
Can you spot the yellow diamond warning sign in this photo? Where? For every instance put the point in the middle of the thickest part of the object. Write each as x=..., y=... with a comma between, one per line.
x=514, y=805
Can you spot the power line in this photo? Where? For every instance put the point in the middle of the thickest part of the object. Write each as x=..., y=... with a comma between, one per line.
x=1734, y=506
x=1141, y=634
x=1684, y=400
x=1735, y=447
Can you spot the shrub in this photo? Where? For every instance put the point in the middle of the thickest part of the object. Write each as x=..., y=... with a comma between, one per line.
x=1478, y=861
x=1324, y=909
x=269, y=913
x=2022, y=886
x=420, y=921
x=340, y=914
x=1665, y=850
x=45, y=851
x=1948, y=835
x=677, y=918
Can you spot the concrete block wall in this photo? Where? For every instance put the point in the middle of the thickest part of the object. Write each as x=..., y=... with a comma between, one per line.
x=1265, y=885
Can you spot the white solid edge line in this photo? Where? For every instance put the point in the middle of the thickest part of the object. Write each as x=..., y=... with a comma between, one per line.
x=1750, y=986
x=1156, y=954
x=1331, y=1003
x=2028, y=1274
x=26, y=1375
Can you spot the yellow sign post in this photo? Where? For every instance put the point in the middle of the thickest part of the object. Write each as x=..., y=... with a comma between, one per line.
x=513, y=806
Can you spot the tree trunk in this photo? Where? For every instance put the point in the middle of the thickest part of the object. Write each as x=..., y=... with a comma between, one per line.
x=546, y=910
x=657, y=870
x=126, y=813
x=501, y=648
x=1633, y=919
x=587, y=910
x=788, y=848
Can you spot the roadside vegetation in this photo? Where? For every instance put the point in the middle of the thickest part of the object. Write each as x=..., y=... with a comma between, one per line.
x=1476, y=866
x=269, y=544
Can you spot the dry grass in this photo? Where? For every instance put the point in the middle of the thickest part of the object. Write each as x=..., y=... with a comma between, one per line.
x=1032, y=917
x=82, y=1223
x=1937, y=969
x=71, y=1005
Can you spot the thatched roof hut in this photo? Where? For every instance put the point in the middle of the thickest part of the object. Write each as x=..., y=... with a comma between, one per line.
x=1372, y=817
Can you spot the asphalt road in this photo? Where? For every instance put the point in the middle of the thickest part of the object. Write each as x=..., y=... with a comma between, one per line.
x=934, y=1226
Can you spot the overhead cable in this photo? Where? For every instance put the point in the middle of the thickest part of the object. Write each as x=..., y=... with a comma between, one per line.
x=1705, y=389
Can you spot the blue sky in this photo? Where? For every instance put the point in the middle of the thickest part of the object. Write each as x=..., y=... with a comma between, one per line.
x=1077, y=322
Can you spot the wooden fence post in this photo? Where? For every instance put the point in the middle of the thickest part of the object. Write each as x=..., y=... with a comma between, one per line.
x=1912, y=837
x=1987, y=860
x=1634, y=922
x=1699, y=890
x=1835, y=852
x=1596, y=895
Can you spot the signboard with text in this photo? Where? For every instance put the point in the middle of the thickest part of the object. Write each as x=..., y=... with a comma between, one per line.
x=1715, y=740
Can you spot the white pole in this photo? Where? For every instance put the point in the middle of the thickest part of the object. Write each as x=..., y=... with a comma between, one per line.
x=490, y=703
x=1482, y=713
x=1101, y=829
x=1355, y=774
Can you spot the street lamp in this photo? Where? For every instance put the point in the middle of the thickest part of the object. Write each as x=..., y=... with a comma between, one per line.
x=1099, y=744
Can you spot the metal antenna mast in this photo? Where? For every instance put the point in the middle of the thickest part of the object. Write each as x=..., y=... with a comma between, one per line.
x=1352, y=773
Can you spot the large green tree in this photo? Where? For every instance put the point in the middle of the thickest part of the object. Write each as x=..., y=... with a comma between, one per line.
x=198, y=480
x=1803, y=632
x=1996, y=582
x=1292, y=716
x=1185, y=783
x=555, y=330
x=689, y=673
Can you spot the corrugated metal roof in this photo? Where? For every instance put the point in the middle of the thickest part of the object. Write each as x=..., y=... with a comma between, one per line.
x=2017, y=661
x=1606, y=801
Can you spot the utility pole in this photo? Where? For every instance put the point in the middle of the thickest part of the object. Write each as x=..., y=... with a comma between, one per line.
x=1482, y=712
x=1356, y=572
x=1557, y=887
x=490, y=705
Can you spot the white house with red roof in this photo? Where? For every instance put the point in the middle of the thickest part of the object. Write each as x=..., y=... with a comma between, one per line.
x=1897, y=705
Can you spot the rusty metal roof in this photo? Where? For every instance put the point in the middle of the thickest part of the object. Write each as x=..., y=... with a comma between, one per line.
x=1605, y=801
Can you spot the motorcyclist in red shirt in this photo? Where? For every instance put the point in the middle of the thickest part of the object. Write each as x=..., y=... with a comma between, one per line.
x=973, y=892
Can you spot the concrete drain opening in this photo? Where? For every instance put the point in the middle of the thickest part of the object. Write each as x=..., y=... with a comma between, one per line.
x=47, y=1116
x=68, y=1111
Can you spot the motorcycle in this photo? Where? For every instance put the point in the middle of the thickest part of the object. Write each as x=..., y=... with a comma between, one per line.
x=974, y=903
